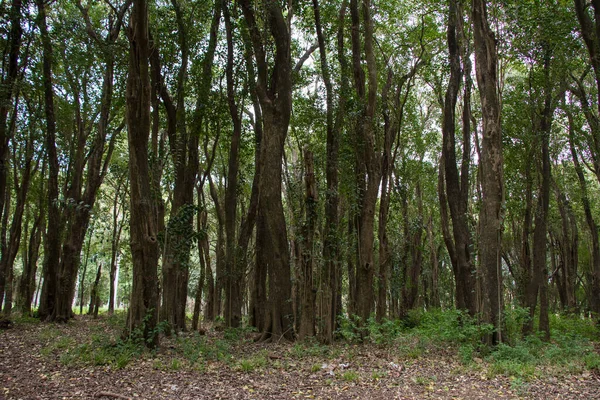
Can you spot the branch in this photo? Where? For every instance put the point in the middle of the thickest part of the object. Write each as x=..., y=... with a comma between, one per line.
x=304, y=57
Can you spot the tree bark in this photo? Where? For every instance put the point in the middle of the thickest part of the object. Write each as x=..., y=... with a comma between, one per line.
x=9, y=80
x=368, y=158
x=331, y=273
x=275, y=97
x=184, y=149
x=117, y=228
x=590, y=220
x=54, y=227
x=142, y=317
x=456, y=184
x=27, y=285
x=491, y=165
x=234, y=270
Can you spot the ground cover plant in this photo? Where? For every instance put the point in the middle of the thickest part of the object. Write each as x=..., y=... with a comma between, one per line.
x=431, y=355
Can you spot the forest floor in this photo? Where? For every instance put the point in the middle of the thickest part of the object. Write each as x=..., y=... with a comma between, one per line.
x=85, y=359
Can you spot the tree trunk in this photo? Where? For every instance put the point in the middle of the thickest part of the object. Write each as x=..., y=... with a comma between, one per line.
x=7, y=91
x=94, y=295
x=491, y=165
x=27, y=286
x=368, y=158
x=142, y=317
x=331, y=273
x=54, y=227
x=117, y=228
x=591, y=222
x=307, y=290
x=84, y=272
x=275, y=96
x=456, y=184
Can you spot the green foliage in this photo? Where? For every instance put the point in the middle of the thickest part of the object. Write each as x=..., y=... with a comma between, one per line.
x=100, y=351
x=571, y=349
x=350, y=376
x=311, y=348
x=258, y=361
x=197, y=349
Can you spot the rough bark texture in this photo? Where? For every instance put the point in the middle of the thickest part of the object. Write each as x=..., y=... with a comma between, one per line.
x=30, y=259
x=54, y=226
x=368, y=158
x=8, y=81
x=117, y=227
x=184, y=149
x=142, y=318
x=590, y=220
x=307, y=290
x=275, y=97
x=491, y=165
x=329, y=306
x=21, y=186
x=591, y=35
x=234, y=270
x=456, y=184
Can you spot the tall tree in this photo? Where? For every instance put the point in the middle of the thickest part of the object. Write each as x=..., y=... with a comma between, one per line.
x=491, y=165
x=142, y=317
x=454, y=191
x=274, y=89
x=368, y=157
x=8, y=85
x=54, y=220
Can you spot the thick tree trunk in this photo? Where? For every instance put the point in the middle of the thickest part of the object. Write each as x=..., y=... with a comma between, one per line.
x=142, y=317
x=275, y=96
x=491, y=165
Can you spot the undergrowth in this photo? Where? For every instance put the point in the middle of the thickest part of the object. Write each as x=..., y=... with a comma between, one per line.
x=437, y=333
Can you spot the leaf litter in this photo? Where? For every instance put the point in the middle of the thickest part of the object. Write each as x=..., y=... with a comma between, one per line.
x=41, y=361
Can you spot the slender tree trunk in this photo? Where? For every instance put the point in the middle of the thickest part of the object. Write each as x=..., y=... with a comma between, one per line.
x=331, y=273
x=234, y=270
x=307, y=290
x=7, y=91
x=54, y=227
x=368, y=158
x=590, y=220
x=117, y=227
x=94, y=295
x=491, y=165
x=27, y=286
x=84, y=272
x=143, y=311
x=456, y=184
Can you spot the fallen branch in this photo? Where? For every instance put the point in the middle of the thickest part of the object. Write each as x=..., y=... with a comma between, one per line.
x=114, y=395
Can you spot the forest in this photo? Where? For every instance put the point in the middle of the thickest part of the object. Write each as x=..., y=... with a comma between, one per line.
x=317, y=175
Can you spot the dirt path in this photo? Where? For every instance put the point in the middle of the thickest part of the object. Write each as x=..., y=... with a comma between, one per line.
x=33, y=365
